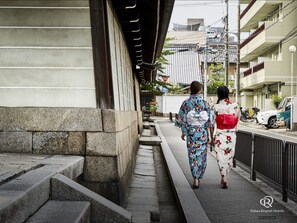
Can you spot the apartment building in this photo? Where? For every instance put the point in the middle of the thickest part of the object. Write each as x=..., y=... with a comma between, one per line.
x=272, y=28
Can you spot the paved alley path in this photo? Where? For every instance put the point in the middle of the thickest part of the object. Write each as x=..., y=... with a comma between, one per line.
x=239, y=203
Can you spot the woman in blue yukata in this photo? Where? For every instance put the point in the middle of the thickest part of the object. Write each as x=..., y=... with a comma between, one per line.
x=194, y=120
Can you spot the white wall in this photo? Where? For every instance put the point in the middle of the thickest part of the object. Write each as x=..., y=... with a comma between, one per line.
x=121, y=66
x=46, y=57
x=170, y=103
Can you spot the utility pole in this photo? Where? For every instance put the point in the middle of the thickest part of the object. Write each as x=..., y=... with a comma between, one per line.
x=237, y=84
x=227, y=44
x=205, y=71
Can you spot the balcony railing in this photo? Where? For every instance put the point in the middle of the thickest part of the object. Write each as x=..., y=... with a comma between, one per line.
x=247, y=72
x=247, y=8
x=253, y=35
x=254, y=69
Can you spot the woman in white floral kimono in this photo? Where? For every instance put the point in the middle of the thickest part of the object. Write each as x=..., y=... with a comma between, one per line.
x=226, y=116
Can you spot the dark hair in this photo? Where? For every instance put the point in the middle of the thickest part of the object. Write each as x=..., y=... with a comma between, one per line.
x=195, y=87
x=223, y=93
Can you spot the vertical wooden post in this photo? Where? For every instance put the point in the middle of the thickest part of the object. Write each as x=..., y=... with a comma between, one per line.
x=101, y=54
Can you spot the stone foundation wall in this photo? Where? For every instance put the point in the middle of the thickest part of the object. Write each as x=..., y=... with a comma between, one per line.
x=107, y=138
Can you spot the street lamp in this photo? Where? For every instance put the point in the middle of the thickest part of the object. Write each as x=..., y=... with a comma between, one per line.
x=292, y=49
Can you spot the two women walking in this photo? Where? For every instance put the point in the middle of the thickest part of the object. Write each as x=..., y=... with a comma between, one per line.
x=195, y=120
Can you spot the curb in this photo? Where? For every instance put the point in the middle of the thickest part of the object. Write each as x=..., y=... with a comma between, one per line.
x=188, y=201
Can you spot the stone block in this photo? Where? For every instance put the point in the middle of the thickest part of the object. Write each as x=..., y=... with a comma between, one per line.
x=24, y=195
x=103, y=210
x=102, y=143
x=50, y=119
x=109, y=190
x=114, y=121
x=13, y=165
x=101, y=169
x=123, y=161
x=21, y=197
x=62, y=211
x=59, y=143
x=16, y=142
x=70, y=166
x=107, y=143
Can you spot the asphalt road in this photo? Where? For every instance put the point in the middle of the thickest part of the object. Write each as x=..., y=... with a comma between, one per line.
x=251, y=126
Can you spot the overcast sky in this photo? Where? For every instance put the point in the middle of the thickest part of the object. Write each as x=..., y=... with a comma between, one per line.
x=211, y=11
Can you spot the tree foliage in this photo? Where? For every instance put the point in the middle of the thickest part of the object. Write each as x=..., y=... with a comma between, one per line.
x=161, y=61
x=156, y=86
x=276, y=100
x=217, y=78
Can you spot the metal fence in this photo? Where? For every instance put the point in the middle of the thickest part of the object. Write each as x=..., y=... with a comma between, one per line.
x=274, y=159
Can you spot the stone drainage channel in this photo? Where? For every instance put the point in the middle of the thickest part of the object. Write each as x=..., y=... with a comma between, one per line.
x=150, y=197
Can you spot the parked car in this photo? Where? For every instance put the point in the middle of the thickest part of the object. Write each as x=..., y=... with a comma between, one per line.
x=268, y=118
x=284, y=112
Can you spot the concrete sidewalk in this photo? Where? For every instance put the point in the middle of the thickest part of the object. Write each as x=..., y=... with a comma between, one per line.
x=239, y=203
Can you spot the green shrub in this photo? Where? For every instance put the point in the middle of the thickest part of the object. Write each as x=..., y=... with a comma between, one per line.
x=276, y=100
x=153, y=108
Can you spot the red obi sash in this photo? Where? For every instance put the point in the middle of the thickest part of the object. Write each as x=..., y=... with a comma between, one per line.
x=226, y=121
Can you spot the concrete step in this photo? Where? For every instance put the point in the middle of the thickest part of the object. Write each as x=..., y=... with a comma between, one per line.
x=45, y=17
x=61, y=212
x=102, y=210
x=22, y=196
x=45, y=3
x=46, y=57
x=48, y=37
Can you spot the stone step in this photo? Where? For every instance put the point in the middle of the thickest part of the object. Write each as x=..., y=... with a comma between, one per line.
x=46, y=57
x=146, y=125
x=48, y=37
x=61, y=212
x=146, y=133
x=102, y=210
x=45, y=3
x=45, y=17
x=143, y=199
x=23, y=195
x=153, y=140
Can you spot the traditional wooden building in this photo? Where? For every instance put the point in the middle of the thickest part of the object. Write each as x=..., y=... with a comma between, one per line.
x=69, y=80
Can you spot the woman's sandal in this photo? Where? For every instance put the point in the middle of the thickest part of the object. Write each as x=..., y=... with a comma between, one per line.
x=194, y=186
x=224, y=185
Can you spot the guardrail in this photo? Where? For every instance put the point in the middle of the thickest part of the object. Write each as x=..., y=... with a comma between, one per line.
x=274, y=159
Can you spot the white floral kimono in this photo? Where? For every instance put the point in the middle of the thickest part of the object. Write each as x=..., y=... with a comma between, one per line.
x=225, y=139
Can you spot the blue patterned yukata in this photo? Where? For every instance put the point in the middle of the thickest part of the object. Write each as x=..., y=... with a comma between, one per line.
x=197, y=136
